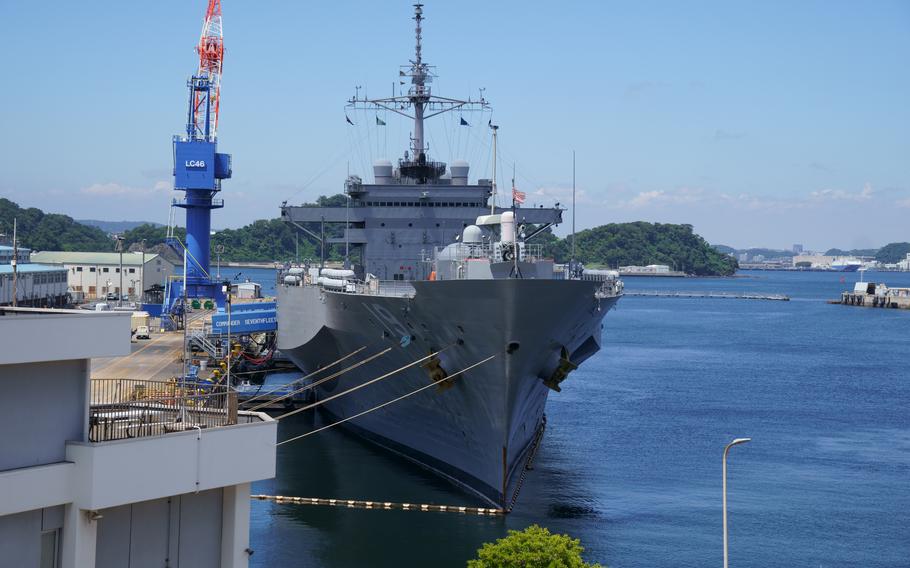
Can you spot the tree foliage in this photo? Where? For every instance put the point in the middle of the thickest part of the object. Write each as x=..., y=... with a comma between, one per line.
x=38, y=230
x=534, y=547
x=893, y=252
x=641, y=243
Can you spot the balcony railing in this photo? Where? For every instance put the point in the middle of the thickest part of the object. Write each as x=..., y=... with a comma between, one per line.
x=129, y=408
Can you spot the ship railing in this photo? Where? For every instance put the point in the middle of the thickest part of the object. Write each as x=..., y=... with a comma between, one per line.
x=528, y=252
x=393, y=288
x=131, y=408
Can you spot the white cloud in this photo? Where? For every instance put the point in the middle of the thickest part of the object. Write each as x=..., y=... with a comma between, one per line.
x=662, y=197
x=112, y=189
x=561, y=194
x=864, y=194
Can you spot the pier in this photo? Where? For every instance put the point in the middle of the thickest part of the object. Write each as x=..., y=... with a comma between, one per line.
x=894, y=301
x=712, y=295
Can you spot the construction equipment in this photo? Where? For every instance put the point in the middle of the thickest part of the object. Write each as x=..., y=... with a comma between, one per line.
x=198, y=171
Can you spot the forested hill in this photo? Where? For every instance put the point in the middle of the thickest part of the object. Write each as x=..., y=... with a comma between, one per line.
x=641, y=243
x=38, y=230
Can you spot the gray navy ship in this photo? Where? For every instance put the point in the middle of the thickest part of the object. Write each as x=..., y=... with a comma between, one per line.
x=446, y=298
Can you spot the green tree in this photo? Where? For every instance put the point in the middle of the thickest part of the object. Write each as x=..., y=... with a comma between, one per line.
x=893, y=252
x=38, y=230
x=534, y=547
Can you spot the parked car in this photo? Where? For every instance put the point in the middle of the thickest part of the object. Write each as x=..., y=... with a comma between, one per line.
x=142, y=332
x=111, y=297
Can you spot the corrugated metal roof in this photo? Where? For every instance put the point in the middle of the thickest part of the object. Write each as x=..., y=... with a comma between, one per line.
x=29, y=267
x=106, y=258
x=9, y=248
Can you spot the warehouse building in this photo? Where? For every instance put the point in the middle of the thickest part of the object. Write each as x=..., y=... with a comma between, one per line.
x=93, y=275
x=35, y=284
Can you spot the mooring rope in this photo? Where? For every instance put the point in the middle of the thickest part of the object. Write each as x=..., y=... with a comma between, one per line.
x=303, y=378
x=360, y=386
x=360, y=504
x=384, y=404
x=320, y=381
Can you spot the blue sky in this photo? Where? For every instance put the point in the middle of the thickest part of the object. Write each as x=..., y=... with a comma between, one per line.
x=761, y=124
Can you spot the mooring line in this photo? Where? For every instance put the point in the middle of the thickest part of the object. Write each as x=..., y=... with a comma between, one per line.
x=305, y=377
x=387, y=505
x=320, y=381
x=384, y=404
x=360, y=386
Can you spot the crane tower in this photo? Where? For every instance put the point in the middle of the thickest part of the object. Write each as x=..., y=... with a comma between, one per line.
x=198, y=167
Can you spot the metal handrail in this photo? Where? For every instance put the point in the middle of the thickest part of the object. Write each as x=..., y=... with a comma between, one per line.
x=130, y=408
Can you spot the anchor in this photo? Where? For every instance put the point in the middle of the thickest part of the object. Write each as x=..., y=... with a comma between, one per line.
x=562, y=370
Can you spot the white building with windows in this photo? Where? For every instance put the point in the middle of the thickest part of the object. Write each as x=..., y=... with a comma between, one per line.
x=32, y=284
x=107, y=474
x=95, y=274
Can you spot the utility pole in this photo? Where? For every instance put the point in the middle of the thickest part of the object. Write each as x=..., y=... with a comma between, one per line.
x=219, y=248
x=142, y=274
x=120, y=290
x=15, y=265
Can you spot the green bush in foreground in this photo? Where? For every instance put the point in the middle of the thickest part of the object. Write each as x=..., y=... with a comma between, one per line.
x=534, y=547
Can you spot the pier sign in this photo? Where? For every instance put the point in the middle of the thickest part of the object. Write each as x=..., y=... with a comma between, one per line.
x=253, y=321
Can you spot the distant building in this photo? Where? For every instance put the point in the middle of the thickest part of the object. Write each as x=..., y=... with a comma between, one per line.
x=650, y=269
x=797, y=249
x=904, y=264
x=35, y=284
x=6, y=254
x=95, y=274
x=98, y=473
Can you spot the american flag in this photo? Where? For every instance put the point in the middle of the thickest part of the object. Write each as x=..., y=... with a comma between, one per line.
x=518, y=196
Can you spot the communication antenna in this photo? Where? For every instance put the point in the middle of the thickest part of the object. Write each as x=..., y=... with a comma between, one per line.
x=573, y=208
x=493, y=199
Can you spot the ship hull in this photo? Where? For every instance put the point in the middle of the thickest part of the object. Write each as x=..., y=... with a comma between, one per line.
x=477, y=428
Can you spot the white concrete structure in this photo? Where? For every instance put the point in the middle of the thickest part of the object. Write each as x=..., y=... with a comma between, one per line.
x=813, y=260
x=178, y=499
x=904, y=264
x=95, y=274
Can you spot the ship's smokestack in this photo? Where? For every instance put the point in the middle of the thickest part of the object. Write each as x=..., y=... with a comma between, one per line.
x=459, y=171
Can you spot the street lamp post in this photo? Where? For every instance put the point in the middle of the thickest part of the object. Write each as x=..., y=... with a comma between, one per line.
x=120, y=290
x=726, y=450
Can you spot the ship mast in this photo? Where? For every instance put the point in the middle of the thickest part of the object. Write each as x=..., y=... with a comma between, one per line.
x=419, y=91
x=422, y=104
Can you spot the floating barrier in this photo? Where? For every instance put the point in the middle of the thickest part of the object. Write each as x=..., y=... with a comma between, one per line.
x=386, y=505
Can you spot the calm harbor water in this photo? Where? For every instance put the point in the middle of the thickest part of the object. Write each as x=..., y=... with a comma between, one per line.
x=631, y=460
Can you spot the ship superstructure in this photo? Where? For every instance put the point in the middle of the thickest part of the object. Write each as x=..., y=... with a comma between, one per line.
x=435, y=272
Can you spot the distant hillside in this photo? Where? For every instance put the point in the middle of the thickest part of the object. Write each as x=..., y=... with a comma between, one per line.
x=116, y=227
x=266, y=240
x=765, y=252
x=851, y=252
x=50, y=231
x=893, y=252
x=641, y=243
